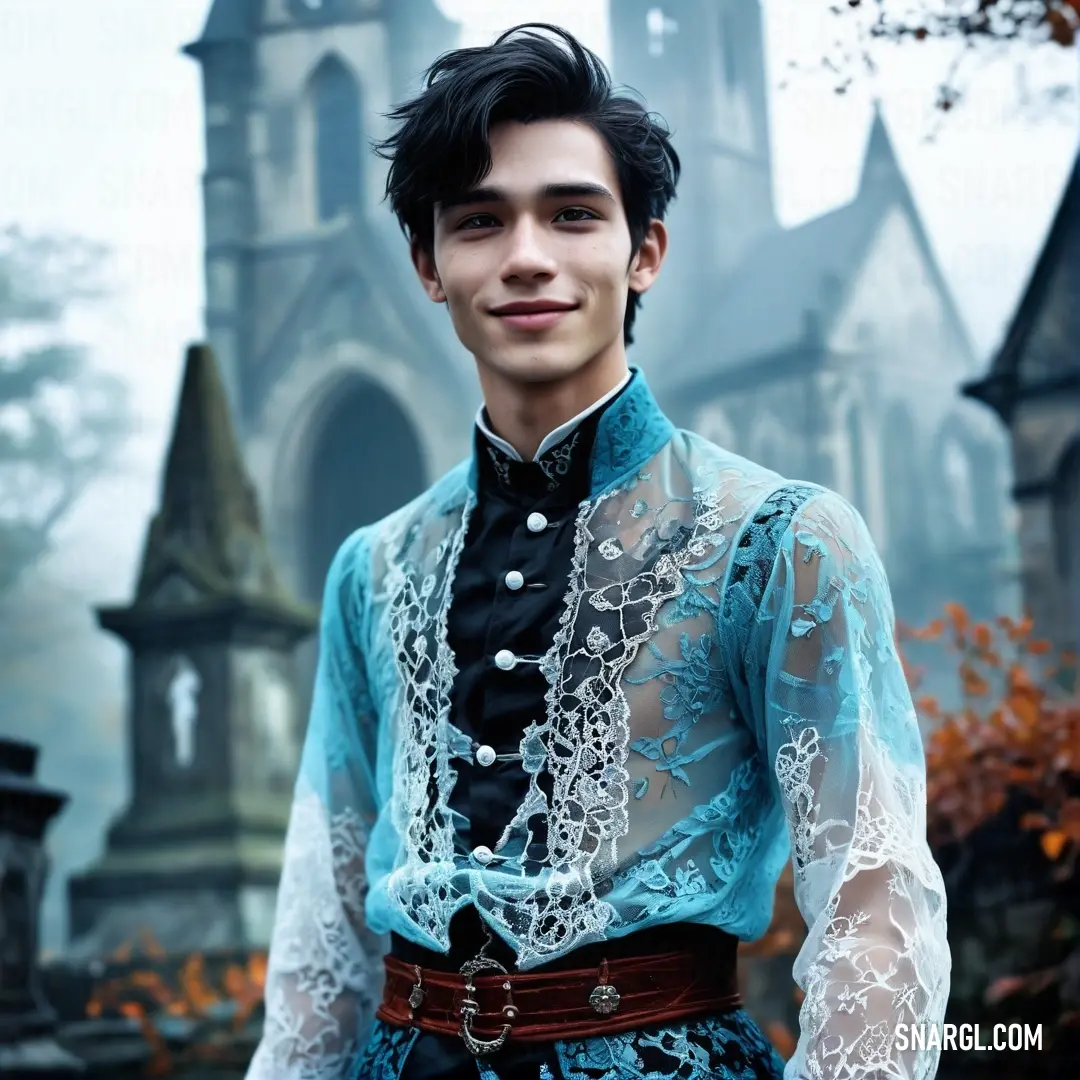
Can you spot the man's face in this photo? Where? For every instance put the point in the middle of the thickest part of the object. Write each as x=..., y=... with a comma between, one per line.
x=534, y=264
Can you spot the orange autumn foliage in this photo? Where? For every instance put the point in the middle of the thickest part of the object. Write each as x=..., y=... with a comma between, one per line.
x=1015, y=731
x=145, y=994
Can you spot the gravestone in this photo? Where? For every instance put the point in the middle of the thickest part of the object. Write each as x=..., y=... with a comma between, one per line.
x=27, y=1023
x=193, y=861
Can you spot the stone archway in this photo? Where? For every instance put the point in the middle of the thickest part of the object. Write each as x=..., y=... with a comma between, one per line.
x=365, y=460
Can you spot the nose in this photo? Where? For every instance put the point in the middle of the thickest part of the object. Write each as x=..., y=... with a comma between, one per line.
x=526, y=256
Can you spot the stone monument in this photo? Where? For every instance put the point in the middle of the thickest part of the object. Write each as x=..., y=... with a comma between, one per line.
x=27, y=1023
x=194, y=860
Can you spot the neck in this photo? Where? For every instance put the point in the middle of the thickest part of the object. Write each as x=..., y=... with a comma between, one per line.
x=523, y=413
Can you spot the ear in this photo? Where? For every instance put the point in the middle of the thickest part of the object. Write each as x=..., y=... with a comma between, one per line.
x=646, y=264
x=424, y=261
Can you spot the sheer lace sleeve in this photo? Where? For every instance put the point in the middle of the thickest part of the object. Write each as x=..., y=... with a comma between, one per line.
x=835, y=715
x=318, y=990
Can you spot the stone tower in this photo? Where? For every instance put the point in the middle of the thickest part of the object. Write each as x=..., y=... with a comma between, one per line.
x=331, y=354
x=701, y=65
x=1033, y=387
x=290, y=90
x=195, y=857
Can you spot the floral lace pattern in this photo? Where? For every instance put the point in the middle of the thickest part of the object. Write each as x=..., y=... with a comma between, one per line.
x=557, y=464
x=723, y=690
x=717, y=1048
x=731, y=1047
x=423, y=775
x=385, y=1054
x=554, y=464
x=320, y=970
x=838, y=723
x=727, y=1047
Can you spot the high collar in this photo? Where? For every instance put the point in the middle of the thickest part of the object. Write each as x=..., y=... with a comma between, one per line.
x=554, y=438
x=613, y=438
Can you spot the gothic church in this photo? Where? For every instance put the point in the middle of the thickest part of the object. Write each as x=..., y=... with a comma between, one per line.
x=831, y=352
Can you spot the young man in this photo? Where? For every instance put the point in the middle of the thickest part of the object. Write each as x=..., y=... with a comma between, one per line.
x=578, y=701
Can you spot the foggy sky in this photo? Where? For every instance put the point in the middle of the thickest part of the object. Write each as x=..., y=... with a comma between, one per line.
x=100, y=118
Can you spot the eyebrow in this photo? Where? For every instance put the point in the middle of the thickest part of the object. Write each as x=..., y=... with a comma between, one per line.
x=581, y=189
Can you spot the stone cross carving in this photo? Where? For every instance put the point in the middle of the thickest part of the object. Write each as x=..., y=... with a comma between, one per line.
x=183, y=694
x=659, y=26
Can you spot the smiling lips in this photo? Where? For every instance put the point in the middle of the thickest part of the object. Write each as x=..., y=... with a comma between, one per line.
x=533, y=314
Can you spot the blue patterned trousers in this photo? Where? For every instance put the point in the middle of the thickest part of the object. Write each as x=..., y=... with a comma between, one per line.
x=729, y=1046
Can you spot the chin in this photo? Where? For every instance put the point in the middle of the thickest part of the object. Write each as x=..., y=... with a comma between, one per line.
x=537, y=364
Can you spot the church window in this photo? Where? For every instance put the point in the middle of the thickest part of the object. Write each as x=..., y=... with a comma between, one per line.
x=903, y=515
x=660, y=26
x=959, y=485
x=853, y=427
x=729, y=50
x=361, y=422
x=335, y=95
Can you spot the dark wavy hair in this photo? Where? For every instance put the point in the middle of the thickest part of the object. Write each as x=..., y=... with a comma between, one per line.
x=531, y=72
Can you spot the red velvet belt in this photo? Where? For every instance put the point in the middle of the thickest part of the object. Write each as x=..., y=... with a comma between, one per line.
x=486, y=1005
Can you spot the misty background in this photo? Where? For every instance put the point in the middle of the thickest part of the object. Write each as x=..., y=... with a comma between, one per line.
x=102, y=136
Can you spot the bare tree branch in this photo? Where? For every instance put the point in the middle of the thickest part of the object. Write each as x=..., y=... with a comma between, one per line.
x=60, y=420
x=999, y=20
x=986, y=28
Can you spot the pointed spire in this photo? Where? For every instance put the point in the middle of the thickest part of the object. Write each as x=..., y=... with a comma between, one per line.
x=879, y=160
x=207, y=529
x=227, y=21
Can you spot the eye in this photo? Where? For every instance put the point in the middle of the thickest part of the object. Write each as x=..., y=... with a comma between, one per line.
x=579, y=210
x=477, y=221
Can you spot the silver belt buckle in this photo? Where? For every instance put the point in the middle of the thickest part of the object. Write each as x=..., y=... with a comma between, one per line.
x=470, y=1007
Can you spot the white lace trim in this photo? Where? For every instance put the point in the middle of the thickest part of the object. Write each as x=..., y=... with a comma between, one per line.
x=583, y=743
x=319, y=982
x=426, y=673
x=876, y=954
x=873, y=957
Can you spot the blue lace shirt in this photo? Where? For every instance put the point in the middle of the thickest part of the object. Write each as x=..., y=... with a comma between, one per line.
x=723, y=693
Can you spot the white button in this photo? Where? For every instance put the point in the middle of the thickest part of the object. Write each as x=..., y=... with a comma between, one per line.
x=536, y=522
x=485, y=755
x=514, y=580
x=483, y=855
x=505, y=659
